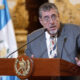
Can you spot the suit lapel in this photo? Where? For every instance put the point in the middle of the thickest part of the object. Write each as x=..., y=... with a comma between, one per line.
x=43, y=46
x=61, y=41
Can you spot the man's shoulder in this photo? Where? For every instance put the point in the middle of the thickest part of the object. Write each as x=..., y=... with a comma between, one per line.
x=71, y=27
x=36, y=32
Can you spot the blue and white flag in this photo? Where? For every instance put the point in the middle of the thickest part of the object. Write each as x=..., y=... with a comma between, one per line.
x=7, y=37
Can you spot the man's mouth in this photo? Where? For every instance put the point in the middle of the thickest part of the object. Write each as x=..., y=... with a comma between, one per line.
x=53, y=27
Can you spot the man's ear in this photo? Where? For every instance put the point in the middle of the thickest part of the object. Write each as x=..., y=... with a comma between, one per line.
x=59, y=15
x=40, y=20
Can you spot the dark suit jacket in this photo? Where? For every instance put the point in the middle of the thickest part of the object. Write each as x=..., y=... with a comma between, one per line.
x=68, y=43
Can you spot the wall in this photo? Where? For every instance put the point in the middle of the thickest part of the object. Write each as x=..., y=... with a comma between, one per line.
x=69, y=10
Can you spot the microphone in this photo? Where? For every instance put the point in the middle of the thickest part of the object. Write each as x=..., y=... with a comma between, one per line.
x=65, y=39
x=27, y=43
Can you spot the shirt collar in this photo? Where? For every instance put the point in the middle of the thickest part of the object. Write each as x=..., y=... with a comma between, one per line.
x=47, y=35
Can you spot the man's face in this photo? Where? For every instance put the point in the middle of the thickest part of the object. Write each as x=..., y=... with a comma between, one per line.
x=50, y=21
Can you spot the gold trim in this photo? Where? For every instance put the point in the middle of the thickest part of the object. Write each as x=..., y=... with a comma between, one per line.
x=24, y=67
x=2, y=7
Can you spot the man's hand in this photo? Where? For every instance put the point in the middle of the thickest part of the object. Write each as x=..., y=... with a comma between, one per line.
x=32, y=56
x=77, y=61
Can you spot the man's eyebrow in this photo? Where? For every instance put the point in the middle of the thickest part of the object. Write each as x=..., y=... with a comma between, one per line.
x=54, y=14
x=46, y=16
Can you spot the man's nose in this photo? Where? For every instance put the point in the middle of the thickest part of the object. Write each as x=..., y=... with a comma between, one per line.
x=51, y=20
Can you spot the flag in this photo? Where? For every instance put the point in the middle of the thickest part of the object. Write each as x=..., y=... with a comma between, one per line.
x=7, y=37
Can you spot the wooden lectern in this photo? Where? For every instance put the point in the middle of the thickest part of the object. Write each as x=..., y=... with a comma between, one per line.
x=37, y=68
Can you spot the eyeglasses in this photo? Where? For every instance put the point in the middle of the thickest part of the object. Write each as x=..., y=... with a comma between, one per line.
x=53, y=17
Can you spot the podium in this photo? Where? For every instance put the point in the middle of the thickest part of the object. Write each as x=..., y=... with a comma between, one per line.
x=25, y=67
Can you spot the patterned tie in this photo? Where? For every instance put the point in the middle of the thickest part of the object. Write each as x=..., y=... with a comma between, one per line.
x=53, y=46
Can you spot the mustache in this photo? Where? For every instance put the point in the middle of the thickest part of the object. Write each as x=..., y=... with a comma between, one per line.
x=53, y=25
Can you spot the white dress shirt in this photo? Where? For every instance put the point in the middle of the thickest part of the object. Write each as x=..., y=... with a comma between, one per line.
x=48, y=45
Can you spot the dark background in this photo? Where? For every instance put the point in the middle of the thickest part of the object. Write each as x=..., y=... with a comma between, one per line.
x=32, y=6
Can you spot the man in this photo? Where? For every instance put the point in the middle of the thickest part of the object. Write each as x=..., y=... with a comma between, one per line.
x=54, y=40
x=66, y=37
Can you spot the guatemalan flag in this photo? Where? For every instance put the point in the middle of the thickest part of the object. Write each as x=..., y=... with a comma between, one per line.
x=7, y=37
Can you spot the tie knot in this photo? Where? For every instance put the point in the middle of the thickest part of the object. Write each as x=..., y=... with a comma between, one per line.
x=52, y=40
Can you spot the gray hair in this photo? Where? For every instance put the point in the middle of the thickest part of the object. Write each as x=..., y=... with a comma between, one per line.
x=46, y=7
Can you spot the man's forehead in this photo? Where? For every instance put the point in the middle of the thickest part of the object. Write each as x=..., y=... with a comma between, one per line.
x=49, y=12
